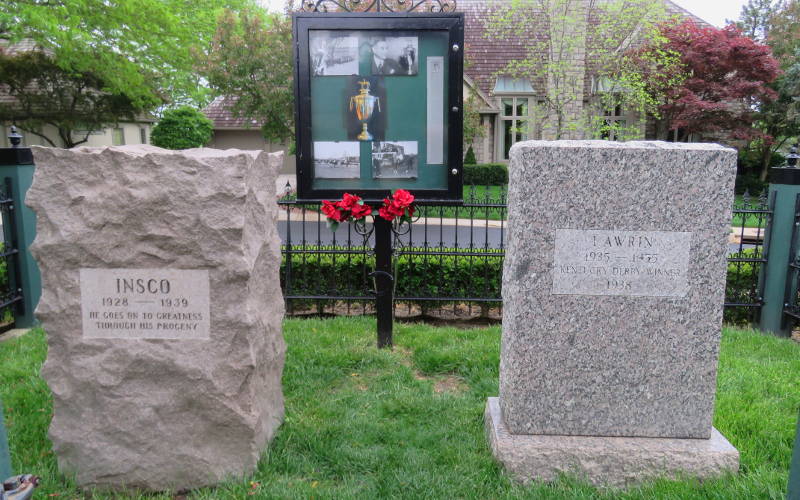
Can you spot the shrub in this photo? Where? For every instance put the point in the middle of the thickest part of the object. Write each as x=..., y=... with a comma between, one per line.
x=470, y=159
x=486, y=174
x=182, y=128
x=750, y=183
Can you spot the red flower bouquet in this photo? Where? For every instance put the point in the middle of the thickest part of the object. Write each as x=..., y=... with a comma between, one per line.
x=349, y=208
x=399, y=205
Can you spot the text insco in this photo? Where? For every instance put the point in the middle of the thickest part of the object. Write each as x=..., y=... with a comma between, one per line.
x=145, y=304
x=635, y=263
x=140, y=285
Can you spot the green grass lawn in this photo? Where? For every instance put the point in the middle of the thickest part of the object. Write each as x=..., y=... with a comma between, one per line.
x=408, y=423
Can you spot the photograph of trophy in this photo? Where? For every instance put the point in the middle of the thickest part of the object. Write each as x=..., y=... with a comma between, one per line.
x=364, y=105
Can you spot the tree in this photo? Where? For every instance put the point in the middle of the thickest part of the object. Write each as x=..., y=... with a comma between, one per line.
x=783, y=31
x=726, y=77
x=754, y=19
x=574, y=28
x=44, y=94
x=776, y=23
x=138, y=49
x=182, y=128
x=250, y=57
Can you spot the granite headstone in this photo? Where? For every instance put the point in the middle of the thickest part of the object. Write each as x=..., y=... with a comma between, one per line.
x=613, y=286
x=163, y=312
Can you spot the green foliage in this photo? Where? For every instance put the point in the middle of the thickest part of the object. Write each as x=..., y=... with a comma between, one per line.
x=46, y=94
x=750, y=183
x=250, y=60
x=556, y=32
x=751, y=166
x=472, y=119
x=778, y=25
x=140, y=49
x=469, y=158
x=182, y=128
x=486, y=174
x=408, y=422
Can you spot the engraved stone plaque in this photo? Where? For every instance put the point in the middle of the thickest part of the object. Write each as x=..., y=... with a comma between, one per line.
x=610, y=262
x=145, y=303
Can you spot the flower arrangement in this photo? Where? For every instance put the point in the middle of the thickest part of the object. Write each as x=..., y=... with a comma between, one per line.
x=351, y=208
x=398, y=205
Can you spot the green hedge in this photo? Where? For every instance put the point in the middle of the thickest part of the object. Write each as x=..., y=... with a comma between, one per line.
x=486, y=174
x=420, y=275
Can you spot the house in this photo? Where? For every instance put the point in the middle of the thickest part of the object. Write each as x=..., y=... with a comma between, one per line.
x=510, y=108
x=130, y=132
x=232, y=132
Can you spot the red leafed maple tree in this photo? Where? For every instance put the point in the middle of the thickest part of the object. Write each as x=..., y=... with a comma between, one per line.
x=725, y=76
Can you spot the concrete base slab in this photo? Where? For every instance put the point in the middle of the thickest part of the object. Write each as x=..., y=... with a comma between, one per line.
x=606, y=461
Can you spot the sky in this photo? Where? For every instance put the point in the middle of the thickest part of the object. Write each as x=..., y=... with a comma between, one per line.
x=713, y=11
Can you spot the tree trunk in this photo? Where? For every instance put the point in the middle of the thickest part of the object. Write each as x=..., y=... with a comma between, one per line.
x=766, y=156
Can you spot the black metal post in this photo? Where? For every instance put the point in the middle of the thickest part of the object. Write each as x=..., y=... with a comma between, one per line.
x=384, y=281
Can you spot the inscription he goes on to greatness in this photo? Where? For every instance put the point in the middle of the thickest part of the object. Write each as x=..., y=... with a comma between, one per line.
x=145, y=303
x=635, y=263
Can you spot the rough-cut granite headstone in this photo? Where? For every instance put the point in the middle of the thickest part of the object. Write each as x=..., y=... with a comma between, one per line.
x=169, y=406
x=613, y=285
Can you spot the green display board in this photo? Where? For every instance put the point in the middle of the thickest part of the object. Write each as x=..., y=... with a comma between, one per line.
x=379, y=105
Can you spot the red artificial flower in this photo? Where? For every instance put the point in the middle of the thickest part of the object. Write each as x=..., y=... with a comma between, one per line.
x=331, y=211
x=348, y=201
x=392, y=208
x=360, y=211
x=403, y=198
x=385, y=214
x=396, y=209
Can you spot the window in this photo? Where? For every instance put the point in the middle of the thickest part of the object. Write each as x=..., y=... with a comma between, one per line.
x=515, y=122
x=143, y=135
x=118, y=137
x=678, y=135
x=614, y=122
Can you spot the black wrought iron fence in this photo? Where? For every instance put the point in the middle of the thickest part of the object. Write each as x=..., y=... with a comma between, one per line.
x=10, y=280
x=448, y=263
x=748, y=254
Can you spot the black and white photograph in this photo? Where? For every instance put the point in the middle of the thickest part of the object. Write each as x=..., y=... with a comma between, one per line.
x=337, y=160
x=332, y=53
x=394, y=160
x=394, y=55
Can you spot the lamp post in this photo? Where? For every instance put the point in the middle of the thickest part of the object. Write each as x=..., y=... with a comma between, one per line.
x=14, y=137
x=792, y=157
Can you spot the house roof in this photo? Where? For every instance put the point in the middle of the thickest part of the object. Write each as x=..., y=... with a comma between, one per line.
x=220, y=111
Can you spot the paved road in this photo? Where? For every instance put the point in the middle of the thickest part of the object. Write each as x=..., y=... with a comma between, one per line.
x=446, y=235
